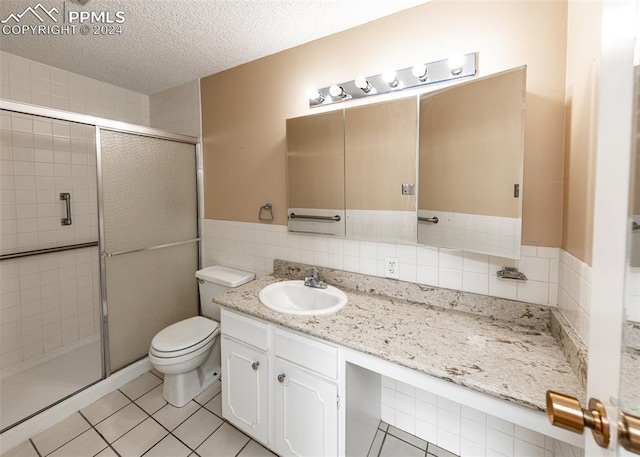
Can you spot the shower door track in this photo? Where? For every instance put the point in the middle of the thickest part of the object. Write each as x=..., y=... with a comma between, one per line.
x=68, y=247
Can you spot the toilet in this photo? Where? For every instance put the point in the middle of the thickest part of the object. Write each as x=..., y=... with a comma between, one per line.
x=188, y=352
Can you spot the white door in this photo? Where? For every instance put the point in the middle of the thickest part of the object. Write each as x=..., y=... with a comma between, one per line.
x=611, y=212
x=245, y=388
x=306, y=413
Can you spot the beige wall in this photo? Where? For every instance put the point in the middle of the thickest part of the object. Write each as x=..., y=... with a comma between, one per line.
x=244, y=109
x=583, y=60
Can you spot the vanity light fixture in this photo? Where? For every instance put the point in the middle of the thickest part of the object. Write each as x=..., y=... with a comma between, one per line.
x=420, y=71
x=389, y=76
x=363, y=84
x=421, y=74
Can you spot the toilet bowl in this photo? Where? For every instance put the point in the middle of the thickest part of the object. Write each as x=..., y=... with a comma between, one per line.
x=188, y=352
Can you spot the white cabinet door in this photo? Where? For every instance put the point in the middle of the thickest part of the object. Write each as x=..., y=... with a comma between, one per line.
x=245, y=388
x=306, y=413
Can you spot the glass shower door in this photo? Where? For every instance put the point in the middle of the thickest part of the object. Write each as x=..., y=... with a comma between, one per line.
x=50, y=344
x=150, y=243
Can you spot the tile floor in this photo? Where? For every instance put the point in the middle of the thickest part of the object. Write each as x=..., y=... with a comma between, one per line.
x=135, y=420
x=390, y=441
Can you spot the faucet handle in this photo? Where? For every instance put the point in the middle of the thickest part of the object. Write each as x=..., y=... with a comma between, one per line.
x=314, y=272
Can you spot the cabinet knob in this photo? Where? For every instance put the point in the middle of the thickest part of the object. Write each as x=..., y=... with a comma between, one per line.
x=566, y=412
x=281, y=377
x=255, y=365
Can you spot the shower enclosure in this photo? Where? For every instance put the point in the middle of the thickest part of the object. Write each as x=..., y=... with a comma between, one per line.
x=99, y=243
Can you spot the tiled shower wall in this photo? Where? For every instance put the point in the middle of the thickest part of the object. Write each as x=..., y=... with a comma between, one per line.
x=254, y=247
x=39, y=159
x=49, y=303
x=177, y=109
x=27, y=81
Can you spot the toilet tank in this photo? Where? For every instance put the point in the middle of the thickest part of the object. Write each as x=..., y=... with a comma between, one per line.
x=216, y=280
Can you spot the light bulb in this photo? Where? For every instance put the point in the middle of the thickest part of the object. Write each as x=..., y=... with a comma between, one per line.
x=363, y=84
x=456, y=61
x=336, y=91
x=314, y=94
x=389, y=76
x=419, y=70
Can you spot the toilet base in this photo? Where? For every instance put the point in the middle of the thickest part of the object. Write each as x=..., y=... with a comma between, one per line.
x=180, y=389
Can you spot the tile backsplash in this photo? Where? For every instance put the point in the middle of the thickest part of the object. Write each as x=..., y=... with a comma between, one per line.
x=460, y=429
x=399, y=226
x=574, y=294
x=490, y=234
x=254, y=246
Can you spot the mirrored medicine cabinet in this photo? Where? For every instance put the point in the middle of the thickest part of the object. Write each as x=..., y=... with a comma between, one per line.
x=442, y=169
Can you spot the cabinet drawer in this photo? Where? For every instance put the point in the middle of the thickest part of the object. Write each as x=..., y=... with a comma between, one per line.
x=245, y=329
x=307, y=353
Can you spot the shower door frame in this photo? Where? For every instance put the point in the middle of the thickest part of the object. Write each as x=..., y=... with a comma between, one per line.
x=122, y=127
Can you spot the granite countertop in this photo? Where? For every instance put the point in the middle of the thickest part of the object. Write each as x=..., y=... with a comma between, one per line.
x=507, y=360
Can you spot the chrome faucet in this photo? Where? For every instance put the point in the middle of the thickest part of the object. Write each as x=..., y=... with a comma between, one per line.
x=314, y=281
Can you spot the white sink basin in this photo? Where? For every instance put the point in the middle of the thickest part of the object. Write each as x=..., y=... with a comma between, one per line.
x=293, y=297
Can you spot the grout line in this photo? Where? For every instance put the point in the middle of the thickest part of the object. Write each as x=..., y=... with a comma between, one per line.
x=372, y=442
x=34, y=447
x=242, y=448
x=100, y=434
x=384, y=439
x=67, y=442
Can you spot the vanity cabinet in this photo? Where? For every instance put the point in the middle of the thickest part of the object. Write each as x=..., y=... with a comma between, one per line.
x=279, y=387
x=306, y=412
x=245, y=374
x=306, y=394
x=245, y=397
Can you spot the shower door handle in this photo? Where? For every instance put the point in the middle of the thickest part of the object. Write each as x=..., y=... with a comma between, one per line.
x=66, y=196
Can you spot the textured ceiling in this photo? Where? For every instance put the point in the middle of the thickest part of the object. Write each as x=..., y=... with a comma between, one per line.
x=169, y=42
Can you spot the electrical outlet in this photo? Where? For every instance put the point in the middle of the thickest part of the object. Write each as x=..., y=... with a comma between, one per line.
x=391, y=267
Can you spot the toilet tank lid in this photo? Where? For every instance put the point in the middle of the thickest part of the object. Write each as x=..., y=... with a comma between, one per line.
x=225, y=276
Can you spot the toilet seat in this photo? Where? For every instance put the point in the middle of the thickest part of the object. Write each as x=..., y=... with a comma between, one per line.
x=184, y=337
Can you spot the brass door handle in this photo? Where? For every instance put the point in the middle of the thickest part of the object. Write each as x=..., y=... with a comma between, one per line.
x=566, y=412
x=629, y=432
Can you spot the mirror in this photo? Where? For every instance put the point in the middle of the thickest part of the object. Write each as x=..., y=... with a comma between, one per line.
x=315, y=170
x=471, y=145
x=380, y=156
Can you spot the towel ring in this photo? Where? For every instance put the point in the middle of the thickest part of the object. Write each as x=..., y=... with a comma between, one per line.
x=266, y=207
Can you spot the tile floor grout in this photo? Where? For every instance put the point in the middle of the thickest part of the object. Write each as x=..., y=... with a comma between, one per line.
x=150, y=415
x=169, y=430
